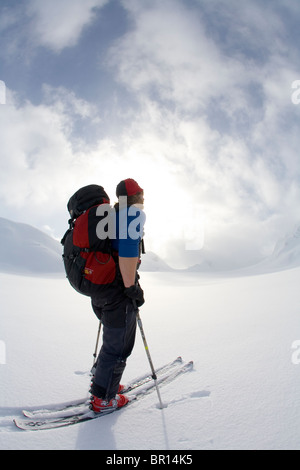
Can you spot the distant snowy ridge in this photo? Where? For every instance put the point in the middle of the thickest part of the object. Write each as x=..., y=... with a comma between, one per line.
x=286, y=255
x=27, y=250
x=287, y=251
x=151, y=262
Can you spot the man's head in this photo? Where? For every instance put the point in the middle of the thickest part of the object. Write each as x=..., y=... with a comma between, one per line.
x=129, y=193
x=128, y=187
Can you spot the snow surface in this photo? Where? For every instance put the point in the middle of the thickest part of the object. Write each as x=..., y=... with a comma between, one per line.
x=240, y=327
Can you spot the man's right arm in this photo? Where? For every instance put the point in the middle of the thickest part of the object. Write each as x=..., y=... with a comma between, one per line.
x=128, y=268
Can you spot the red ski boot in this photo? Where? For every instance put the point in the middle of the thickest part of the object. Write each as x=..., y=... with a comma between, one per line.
x=98, y=405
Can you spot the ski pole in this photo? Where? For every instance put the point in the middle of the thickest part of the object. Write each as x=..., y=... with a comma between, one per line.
x=96, y=347
x=154, y=377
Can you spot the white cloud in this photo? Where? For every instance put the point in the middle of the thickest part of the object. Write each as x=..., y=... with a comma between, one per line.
x=33, y=144
x=214, y=98
x=42, y=163
x=168, y=54
x=59, y=23
x=67, y=102
x=214, y=129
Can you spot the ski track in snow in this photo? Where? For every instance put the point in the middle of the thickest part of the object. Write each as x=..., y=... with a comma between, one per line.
x=190, y=396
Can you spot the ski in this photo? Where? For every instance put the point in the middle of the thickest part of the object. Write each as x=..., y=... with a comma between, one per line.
x=83, y=413
x=70, y=407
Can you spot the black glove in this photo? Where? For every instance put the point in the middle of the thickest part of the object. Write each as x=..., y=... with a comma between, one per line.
x=135, y=293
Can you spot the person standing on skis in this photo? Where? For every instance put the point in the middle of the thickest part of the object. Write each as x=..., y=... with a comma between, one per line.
x=118, y=314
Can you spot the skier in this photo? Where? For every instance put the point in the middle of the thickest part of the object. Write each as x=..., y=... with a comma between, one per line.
x=118, y=314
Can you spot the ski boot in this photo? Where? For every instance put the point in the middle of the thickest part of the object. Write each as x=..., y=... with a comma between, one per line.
x=98, y=405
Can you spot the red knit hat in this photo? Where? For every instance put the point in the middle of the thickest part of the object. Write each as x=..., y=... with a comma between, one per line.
x=128, y=187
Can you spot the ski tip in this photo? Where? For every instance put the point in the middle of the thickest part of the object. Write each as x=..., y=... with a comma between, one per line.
x=18, y=425
x=190, y=365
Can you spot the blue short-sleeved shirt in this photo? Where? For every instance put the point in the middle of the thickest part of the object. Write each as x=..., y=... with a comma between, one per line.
x=129, y=231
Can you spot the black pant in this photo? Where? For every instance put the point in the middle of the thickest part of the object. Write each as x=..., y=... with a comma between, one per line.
x=119, y=328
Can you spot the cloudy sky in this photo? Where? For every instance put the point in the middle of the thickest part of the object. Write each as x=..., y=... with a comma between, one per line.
x=198, y=100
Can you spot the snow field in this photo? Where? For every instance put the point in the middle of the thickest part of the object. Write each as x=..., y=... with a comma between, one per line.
x=242, y=394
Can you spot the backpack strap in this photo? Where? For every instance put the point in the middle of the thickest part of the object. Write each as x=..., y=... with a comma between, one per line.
x=71, y=223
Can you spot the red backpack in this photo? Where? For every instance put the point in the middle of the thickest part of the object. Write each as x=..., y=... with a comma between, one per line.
x=89, y=261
